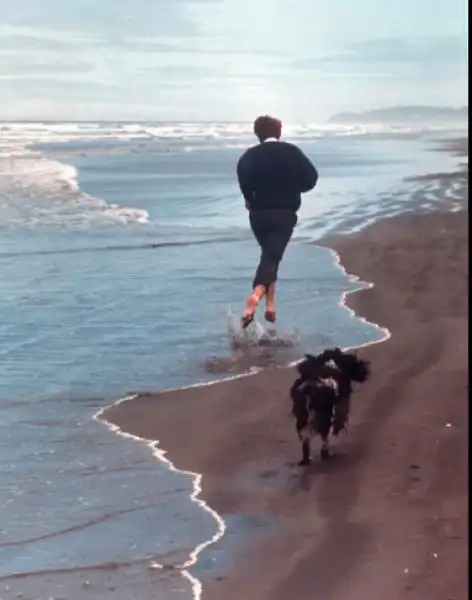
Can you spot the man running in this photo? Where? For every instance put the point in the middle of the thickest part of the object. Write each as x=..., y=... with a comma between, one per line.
x=272, y=176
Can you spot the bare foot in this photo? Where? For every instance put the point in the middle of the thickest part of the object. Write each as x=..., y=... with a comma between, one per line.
x=249, y=313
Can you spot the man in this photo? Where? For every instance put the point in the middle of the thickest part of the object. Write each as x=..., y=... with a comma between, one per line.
x=272, y=176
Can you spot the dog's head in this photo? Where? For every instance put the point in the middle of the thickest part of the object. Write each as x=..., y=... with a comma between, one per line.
x=309, y=367
x=347, y=363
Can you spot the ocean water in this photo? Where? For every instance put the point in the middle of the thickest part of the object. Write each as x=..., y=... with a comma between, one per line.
x=125, y=259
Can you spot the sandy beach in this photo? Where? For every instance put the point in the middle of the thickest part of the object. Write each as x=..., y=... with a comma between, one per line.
x=387, y=516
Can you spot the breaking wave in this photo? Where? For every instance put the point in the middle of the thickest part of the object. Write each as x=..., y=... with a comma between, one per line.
x=38, y=191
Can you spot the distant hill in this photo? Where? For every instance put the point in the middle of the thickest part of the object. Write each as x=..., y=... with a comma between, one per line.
x=403, y=114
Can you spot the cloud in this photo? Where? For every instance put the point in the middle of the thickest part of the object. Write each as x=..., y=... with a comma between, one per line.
x=185, y=71
x=110, y=19
x=394, y=52
x=23, y=38
x=16, y=69
x=421, y=50
x=155, y=41
x=21, y=42
x=181, y=57
x=49, y=85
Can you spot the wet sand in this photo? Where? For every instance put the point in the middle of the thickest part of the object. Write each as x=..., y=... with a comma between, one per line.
x=388, y=516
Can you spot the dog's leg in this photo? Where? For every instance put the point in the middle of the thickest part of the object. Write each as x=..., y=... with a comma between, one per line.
x=325, y=451
x=341, y=415
x=305, y=436
x=306, y=452
x=324, y=420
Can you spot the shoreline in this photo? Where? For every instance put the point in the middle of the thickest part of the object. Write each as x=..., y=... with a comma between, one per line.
x=160, y=453
x=348, y=300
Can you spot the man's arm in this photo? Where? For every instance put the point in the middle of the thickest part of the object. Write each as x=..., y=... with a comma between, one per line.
x=244, y=171
x=307, y=173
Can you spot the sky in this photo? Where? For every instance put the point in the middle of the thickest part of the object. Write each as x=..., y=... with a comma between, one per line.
x=186, y=60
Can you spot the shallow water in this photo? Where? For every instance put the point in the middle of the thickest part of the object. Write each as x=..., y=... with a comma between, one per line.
x=122, y=283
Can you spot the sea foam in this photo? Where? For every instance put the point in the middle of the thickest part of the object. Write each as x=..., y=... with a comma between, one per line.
x=36, y=190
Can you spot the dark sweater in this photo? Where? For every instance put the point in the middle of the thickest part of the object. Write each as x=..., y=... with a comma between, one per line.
x=273, y=175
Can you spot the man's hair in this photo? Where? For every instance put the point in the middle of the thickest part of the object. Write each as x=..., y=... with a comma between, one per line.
x=267, y=127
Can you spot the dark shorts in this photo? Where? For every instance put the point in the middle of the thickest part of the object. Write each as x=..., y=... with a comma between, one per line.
x=272, y=230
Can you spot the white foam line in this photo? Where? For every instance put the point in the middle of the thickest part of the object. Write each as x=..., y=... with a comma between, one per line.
x=456, y=207
x=365, y=285
x=199, y=384
x=160, y=454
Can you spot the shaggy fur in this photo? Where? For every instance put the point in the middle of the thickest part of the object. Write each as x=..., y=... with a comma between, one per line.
x=321, y=396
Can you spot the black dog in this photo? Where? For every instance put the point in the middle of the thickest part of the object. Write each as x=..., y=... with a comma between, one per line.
x=321, y=396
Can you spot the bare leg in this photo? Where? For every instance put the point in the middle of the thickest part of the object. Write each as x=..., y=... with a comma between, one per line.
x=270, y=297
x=270, y=303
x=251, y=304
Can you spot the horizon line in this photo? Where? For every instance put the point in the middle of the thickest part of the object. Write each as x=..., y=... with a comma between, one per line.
x=238, y=121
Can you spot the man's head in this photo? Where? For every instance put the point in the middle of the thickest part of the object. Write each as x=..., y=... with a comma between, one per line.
x=267, y=127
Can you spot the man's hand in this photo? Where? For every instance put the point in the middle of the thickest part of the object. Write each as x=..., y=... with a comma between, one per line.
x=248, y=206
